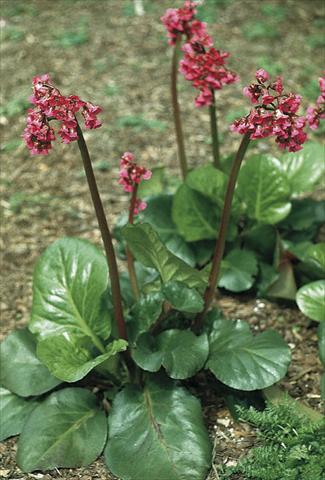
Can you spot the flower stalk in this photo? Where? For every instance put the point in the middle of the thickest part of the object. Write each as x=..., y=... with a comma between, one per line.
x=214, y=132
x=176, y=108
x=105, y=233
x=129, y=255
x=221, y=240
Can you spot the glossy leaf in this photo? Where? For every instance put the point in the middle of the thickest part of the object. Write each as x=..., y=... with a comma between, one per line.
x=264, y=189
x=243, y=361
x=66, y=430
x=238, y=270
x=180, y=351
x=183, y=298
x=69, y=283
x=144, y=313
x=21, y=371
x=14, y=411
x=194, y=215
x=311, y=300
x=316, y=255
x=321, y=341
x=68, y=359
x=208, y=181
x=304, y=169
x=147, y=248
x=157, y=433
x=306, y=214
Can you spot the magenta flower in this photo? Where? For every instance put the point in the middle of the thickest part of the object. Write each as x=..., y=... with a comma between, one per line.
x=206, y=69
x=178, y=21
x=51, y=105
x=275, y=114
x=130, y=177
x=317, y=113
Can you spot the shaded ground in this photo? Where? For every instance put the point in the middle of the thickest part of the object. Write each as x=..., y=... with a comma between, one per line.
x=102, y=52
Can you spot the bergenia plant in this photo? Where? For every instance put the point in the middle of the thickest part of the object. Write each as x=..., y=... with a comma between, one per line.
x=100, y=365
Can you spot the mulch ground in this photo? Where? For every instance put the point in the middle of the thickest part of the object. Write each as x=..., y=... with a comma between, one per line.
x=102, y=52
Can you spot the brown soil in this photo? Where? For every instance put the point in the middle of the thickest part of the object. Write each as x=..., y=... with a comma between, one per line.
x=122, y=63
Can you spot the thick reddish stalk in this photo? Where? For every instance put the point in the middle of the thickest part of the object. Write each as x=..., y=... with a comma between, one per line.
x=129, y=256
x=214, y=132
x=105, y=233
x=221, y=240
x=176, y=108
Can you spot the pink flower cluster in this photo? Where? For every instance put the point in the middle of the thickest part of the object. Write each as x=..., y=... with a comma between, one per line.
x=202, y=64
x=275, y=114
x=51, y=105
x=130, y=177
x=315, y=114
x=206, y=69
x=178, y=21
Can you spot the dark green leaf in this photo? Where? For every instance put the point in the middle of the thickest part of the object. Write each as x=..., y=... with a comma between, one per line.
x=316, y=255
x=145, y=313
x=264, y=189
x=66, y=430
x=261, y=239
x=182, y=298
x=322, y=386
x=157, y=433
x=305, y=214
x=304, y=169
x=238, y=270
x=69, y=282
x=180, y=351
x=147, y=247
x=14, y=411
x=311, y=300
x=267, y=276
x=21, y=371
x=285, y=284
x=69, y=359
x=159, y=214
x=194, y=215
x=243, y=361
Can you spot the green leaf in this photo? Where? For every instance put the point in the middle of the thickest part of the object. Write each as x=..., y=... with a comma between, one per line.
x=243, y=361
x=322, y=386
x=311, y=300
x=182, y=298
x=66, y=430
x=21, y=371
x=194, y=215
x=70, y=279
x=14, y=411
x=68, y=359
x=155, y=185
x=144, y=313
x=305, y=214
x=261, y=239
x=316, y=255
x=147, y=248
x=238, y=270
x=159, y=215
x=157, y=433
x=209, y=182
x=264, y=189
x=180, y=352
x=304, y=169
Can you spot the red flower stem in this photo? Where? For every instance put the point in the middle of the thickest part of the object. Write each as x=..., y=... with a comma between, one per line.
x=214, y=132
x=176, y=108
x=106, y=235
x=221, y=240
x=129, y=256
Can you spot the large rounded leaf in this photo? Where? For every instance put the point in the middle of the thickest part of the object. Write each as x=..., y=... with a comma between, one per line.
x=66, y=430
x=181, y=352
x=304, y=169
x=183, y=298
x=243, y=361
x=69, y=282
x=264, y=189
x=148, y=248
x=68, y=359
x=21, y=371
x=238, y=270
x=311, y=300
x=157, y=433
x=14, y=411
x=194, y=215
